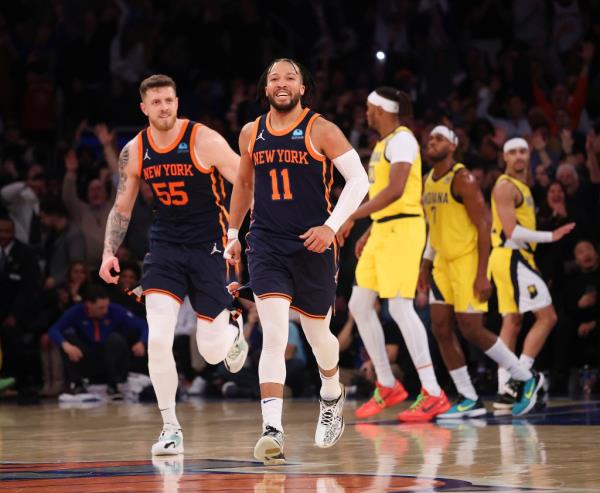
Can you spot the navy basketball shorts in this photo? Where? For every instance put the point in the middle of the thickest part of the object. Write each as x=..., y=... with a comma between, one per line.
x=198, y=271
x=307, y=279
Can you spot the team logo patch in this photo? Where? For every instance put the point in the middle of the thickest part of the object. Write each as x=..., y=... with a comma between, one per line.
x=297, y=134
x=532, y=290
x=183, y=147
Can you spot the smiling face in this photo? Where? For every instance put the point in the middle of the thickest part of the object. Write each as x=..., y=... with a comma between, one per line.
x=160, y=105
x=284, y=86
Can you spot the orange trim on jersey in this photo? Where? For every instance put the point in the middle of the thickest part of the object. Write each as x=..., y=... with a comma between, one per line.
x=279, y=133
x=195, y=160
x=204, y=317
x=169, y=148
x=327, y=183
x=302, y=312
x=274, y=295
x=140, y=144
x=307, y=142
x=253, y=136
x=223, y=215
x=163, y=291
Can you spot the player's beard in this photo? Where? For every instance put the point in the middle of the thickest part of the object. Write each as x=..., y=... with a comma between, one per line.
x=287, y=107
x=438, y=156
x=164, y=124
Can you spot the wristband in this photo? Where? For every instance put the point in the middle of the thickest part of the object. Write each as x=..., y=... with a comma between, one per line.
x=232, y=234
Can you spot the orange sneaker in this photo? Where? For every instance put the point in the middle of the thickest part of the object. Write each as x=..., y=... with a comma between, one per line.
x=382, y=397
x=426, y=407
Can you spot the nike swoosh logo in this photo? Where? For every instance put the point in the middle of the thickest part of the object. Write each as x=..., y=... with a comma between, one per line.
x=462, y=408
x=529, y=393
x=267, y=400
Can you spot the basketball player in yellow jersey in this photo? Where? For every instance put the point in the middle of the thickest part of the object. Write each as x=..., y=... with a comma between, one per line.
x=519, y=285
x=388, y=265
x=458, y=248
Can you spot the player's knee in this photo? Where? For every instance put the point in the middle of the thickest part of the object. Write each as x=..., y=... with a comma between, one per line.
x=442, y=331
x=547, y=316
x=512, y=323
x=359, y=303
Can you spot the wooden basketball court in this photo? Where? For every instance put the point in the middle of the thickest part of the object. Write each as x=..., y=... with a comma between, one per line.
x=106, y=448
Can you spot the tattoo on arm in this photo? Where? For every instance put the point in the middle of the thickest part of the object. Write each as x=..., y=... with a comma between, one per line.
x=117, y=223
x=116, y=228
x=123, y=160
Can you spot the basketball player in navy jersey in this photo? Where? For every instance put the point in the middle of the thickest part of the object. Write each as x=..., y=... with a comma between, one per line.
x=184, y=163
x=287, y=158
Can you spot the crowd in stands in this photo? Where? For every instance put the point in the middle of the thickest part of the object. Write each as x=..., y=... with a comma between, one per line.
x=69, y=73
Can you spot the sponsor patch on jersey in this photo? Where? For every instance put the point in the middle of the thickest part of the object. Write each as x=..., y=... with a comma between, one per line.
x=183, y=147
x=297, y=134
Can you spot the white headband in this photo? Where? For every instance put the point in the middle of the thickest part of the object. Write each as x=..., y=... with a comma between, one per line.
x=446, y=133
x=516, y=143
x=384, y=103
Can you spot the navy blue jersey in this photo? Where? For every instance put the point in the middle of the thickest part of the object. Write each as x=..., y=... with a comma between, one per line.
x=292, y=184
x=188, y=198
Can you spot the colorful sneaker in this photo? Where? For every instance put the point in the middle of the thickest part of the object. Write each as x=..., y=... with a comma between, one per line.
x=170, y=441
x=331, y=421
x=426, y=407
x=383, y=397
x=464, y=408
x=504, y=402
x=527, y=396
x=269, y=448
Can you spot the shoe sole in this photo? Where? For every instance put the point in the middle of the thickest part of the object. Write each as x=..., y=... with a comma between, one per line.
x=499, y=406
x=175, y=451
x=475, y=413
x=239, y=362
x=533, y=400
x=269, y=452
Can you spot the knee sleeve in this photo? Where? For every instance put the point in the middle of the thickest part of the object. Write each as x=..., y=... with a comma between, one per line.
x=162, y=311
x=215, y=338
x=323, y=343
x=274, y=315
x=361, y=302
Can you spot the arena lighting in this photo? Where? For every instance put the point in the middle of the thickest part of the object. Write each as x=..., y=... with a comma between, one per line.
x=380, y=55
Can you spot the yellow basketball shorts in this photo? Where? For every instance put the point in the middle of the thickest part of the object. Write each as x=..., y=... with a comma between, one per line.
x=519, y=284
x=389, y=263
x=452, y=283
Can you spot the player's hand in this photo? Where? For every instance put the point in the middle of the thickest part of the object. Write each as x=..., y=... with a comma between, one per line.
x=360, y=244
x=482, y=288
x=559, y=233
x=585, y=328
x=587, y=300
x=344, y=232
x=233, y=251
x=138, y=349
x=318, y=239
x=108, y=263
x=71, y=162
x=73, y=352
x=233, y=288
x=424, y=274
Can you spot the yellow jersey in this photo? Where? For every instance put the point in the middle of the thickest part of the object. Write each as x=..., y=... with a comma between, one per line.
x=451, y=232
x=379, y=176
x=525, y=212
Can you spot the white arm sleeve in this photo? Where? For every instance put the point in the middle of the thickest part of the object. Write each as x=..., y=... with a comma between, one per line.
x=355, y=189
x=402, y=148
x=524, y=235
x=429, y=252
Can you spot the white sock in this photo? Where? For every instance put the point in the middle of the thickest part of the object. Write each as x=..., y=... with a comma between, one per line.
x=271, y=412
x=462, y=382
x=169, y=417
x=507, y=359
x=526, y=361
x=503, y=378
x=371, y=332
x=330, y=386
x=413, y=331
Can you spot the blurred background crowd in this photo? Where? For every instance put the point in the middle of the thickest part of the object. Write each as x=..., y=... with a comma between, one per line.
x=69, y=76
